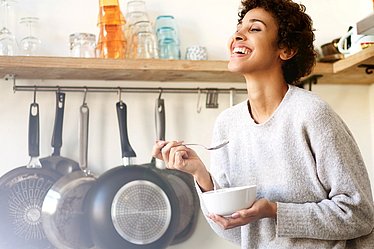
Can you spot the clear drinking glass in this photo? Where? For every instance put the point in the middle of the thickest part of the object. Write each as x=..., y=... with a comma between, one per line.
x=135, y=6
x=8, y=43
x=144, y=43
x=30, y=44
x=166, y=21
x=83, y=45
x=168, y=44
x=132, y=18
x=167, y=37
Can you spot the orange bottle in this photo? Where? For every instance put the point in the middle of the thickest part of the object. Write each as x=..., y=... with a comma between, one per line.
x=112, y=42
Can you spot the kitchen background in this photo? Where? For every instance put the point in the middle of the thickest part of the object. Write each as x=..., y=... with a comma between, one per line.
x=208, y=23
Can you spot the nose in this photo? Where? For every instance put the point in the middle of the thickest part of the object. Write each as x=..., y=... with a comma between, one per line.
x=238, y=36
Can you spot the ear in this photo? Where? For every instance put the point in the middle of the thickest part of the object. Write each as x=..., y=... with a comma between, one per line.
x=287, y=53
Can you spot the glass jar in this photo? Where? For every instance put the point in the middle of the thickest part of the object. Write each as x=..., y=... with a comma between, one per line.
x=83, y=45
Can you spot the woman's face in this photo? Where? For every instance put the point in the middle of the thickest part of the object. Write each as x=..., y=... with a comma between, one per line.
x=253, y=47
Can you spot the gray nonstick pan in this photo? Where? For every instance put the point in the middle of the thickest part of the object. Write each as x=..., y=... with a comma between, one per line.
x=56, y=162
x=131, y=206
x=182, y=183
x=64, y=220
x=22, y=191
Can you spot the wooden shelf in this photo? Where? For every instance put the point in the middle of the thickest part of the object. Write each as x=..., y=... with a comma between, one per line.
x=345, y=71
x=110, y=69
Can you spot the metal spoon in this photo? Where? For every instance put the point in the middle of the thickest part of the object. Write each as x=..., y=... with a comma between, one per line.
x=210, y=148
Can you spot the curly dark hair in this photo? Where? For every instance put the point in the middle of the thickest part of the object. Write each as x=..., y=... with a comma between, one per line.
x=294, y=31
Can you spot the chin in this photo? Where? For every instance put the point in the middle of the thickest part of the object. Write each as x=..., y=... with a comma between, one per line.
x=234, y=68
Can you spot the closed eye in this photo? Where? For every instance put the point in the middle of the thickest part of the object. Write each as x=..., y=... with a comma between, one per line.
x=255, y=30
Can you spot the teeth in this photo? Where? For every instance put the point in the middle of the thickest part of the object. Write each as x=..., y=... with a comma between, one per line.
x=241, y=50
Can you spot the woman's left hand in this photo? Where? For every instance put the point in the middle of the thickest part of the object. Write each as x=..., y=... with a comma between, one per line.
x=260, y=209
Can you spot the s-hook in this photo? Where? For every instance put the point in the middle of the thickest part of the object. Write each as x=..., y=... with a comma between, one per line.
x=34, y=102
x=85, y=96
x=119, y=95
x=34, y=107
x=159, y=107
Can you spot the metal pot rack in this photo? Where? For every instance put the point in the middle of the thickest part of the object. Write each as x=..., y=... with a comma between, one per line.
x=211, y=93
x=111, y=89
x=102, y=89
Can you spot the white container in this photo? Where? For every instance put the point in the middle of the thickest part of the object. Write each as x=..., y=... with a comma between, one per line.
x=227, y=201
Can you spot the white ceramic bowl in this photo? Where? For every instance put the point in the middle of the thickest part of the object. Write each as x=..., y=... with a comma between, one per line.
x=227, y=201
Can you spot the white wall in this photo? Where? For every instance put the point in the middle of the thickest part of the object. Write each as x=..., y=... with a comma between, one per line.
x=208, y=23
x=371, y=169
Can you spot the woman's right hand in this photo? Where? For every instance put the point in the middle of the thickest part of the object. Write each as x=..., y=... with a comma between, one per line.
x=178, y=156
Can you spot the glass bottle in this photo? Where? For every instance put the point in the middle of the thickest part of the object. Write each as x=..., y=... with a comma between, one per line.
x=112, y=42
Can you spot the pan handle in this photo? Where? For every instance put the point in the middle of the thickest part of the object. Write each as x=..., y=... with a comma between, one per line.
x=127, y=150
x=160, y=126
x=160, y=119
x=57, y=130
x=83, y=137
x=34, y=130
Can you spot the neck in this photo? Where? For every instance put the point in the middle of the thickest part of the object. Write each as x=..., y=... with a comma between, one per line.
x=264, y=97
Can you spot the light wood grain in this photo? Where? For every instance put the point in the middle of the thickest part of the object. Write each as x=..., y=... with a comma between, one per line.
x=345, y=71
x=108, y=69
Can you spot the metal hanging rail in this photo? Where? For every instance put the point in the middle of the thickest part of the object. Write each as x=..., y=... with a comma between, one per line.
x=118, y=89
x=102, y=89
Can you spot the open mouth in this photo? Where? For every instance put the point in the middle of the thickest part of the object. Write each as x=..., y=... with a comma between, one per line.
x=241, y=50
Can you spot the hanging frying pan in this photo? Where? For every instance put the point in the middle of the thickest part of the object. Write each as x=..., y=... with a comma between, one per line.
x=60, y=164
x=131, y=207
x=64, y=220
x=182, y=183
x=22, y=191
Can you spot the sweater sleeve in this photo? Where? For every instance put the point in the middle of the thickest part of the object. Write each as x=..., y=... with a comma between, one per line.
x=347, y=212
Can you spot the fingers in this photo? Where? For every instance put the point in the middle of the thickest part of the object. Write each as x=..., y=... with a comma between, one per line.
x=227, y=222
x=171, y=153
x=259, y=210
x=156, y=149
x=179, y=157
x=167, y=149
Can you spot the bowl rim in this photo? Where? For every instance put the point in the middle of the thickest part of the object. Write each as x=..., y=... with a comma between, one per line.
x=229, y=189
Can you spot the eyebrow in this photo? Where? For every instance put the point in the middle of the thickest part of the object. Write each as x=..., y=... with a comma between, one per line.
x=257, y=20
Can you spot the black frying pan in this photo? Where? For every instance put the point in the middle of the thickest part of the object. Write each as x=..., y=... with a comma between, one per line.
x=64, y=220
x=22, y=191
x=189, y=203
x=56, y=162
x=182, y=183
x=131, y=206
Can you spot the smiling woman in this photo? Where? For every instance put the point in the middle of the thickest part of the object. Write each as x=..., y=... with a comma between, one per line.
x=313, y=190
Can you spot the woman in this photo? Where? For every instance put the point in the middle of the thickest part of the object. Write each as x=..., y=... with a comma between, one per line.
x=313, y=189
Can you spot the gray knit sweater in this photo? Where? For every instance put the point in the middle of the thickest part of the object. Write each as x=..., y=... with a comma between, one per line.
x=305, y=159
